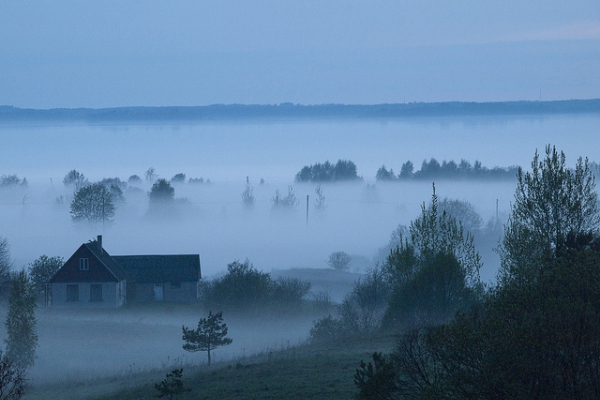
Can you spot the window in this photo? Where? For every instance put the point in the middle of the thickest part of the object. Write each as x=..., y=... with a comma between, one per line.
x=84, y=264
x=72, y=293
x=175, y=285
x=96, y=292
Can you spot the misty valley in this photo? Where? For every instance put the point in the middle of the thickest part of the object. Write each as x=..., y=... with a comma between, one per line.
x=296, y=258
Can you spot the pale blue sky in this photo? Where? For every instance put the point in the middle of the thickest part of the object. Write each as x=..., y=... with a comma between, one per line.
x=119, y=53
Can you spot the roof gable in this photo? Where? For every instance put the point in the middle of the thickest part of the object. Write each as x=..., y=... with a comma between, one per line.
x=102, y=268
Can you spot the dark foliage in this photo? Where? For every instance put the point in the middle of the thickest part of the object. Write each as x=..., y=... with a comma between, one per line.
x=12, y=380
x=178, y=178
x=359, y=314
x=42, y=269
x=12, y=181
x=210, y=334
x=172, y=385
x=433, y=170
x=21, y=322
x=339, y=260
x=246, y=288
x=75, y=179
x=5, y=264
x=93, y=203
x=433, y=272
x=377, y=380
x=134, y=180
x=343, y=170
x=162, y=192
x=536, y=334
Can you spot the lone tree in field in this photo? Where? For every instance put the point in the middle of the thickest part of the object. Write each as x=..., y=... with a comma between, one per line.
x=210, y=334
x=339, y=260
x=20, y=322
x=93, y=203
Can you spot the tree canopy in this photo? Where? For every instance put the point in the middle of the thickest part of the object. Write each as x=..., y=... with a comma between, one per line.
x=20, y=322
x=433, y=272
x=343, y=170
x=551, y=202
x=93, y=203
x=42, y=270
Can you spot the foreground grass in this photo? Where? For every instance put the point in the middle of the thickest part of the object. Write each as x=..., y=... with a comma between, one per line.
x=304, y=372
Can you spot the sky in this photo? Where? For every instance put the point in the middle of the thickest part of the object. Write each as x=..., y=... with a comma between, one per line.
x=190, y=52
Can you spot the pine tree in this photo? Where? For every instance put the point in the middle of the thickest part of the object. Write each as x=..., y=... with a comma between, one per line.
x=172, y=385
x=210, y=334
x=20, y=322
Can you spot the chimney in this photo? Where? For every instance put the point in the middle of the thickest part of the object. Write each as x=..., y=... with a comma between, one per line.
x=99, y=241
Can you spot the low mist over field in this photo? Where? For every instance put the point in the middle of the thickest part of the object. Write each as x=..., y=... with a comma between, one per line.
x=209, y=217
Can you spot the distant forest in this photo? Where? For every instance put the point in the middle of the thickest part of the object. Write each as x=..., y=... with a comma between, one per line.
x=345, y=170
x=298, y=111
x=432, y=169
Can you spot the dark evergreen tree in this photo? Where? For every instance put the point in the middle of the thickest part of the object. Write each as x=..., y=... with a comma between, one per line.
x=210, y=334
x=5, y=264
x=434, y=272
x=21, y=322
x=172, y=385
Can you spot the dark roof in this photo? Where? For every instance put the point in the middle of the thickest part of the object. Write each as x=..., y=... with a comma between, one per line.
x=102, y=267
x=107, y=260
x=161, y=268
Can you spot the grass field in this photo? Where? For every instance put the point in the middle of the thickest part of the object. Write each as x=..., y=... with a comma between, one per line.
x=95, y=353
x=300, y=372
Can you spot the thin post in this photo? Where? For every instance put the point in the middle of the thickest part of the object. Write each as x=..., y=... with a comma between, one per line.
x=496, y=209
x=307, y=209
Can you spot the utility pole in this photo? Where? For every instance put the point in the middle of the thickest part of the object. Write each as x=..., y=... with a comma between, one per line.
x=307, y=210
x=496, y=209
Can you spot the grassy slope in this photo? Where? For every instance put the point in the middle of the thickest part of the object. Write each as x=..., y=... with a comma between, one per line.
x=305, y=372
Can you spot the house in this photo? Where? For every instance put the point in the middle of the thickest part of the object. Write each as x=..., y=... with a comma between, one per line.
x=92, y=278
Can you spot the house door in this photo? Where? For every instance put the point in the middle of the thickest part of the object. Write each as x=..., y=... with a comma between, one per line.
x=158, y=291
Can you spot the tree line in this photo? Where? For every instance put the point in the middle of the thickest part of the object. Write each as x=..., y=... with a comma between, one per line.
x=346, y=171
x=533, y=334
x=433, y=169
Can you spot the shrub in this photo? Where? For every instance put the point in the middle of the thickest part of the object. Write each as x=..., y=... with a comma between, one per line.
x=244, y=287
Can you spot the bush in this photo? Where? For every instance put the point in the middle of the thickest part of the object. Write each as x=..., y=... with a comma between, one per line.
x=327, y=330
x=244, y=287
x=360, y=313
x=288, y=291
x=339, y=260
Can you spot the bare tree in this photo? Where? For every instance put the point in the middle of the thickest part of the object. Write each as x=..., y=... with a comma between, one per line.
x=320, y=204
x=248, y=195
